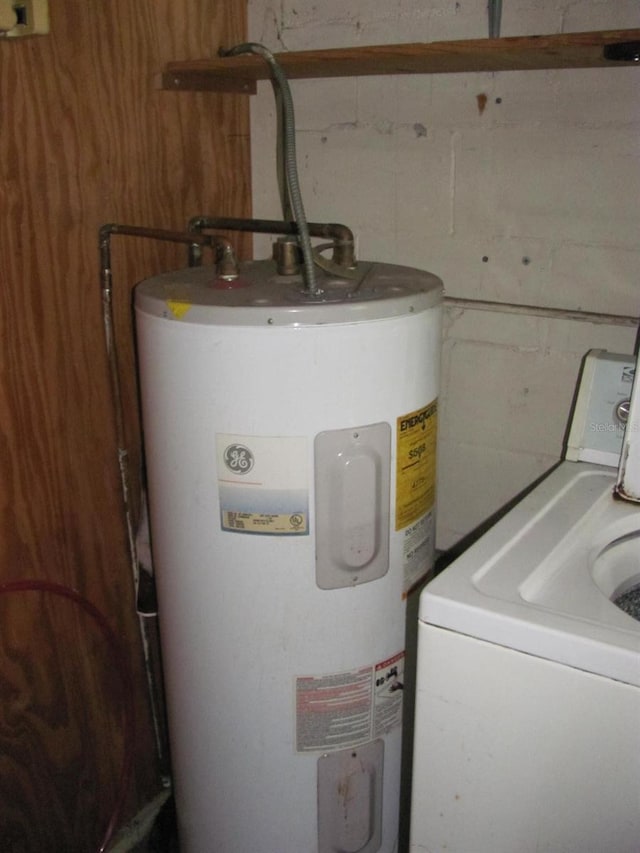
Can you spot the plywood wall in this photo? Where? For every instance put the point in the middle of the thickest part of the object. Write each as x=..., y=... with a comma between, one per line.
x=86, y=138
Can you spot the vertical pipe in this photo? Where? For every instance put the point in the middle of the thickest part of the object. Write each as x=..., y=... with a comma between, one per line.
x=495, y=16
x=224, y=251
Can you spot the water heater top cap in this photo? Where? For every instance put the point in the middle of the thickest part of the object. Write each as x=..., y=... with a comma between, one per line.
x=259, y=296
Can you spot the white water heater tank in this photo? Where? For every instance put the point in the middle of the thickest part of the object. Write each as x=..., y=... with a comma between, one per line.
x=290, y=447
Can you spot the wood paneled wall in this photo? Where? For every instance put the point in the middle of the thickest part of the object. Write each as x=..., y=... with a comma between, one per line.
x=86, y=138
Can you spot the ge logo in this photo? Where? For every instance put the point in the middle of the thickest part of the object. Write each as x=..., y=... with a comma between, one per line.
x=238, y=458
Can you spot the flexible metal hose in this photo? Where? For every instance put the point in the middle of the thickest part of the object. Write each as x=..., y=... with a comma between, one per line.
x=290, y=164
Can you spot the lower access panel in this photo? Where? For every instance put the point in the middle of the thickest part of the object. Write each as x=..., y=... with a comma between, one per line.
x=350, y=800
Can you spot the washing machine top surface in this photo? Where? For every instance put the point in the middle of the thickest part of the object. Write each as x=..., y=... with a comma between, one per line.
x=544, y=579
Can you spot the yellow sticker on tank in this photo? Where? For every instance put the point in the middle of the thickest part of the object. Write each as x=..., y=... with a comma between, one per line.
x=178, y=307
x=416, y=464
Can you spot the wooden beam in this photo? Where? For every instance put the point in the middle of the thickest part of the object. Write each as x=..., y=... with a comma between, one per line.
x=521, y=53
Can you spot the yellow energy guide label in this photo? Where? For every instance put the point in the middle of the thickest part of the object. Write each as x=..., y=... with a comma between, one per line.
x=416, y=464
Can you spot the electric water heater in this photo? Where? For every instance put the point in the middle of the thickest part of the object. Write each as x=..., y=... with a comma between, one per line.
x=290, y=448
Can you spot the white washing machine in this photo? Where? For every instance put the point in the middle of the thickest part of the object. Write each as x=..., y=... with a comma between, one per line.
x=527, y=729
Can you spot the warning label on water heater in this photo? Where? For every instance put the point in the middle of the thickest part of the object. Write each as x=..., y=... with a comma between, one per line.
x=344, y=709
x=416, y=464
x=262, y=484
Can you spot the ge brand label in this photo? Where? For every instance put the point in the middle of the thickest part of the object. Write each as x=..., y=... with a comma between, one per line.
x=263, y=484
x=238, y=459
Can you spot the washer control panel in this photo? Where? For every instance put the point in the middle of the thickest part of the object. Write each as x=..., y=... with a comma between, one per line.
x=601, y=408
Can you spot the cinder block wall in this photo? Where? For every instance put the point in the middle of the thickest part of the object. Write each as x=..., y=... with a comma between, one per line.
x=520, y=188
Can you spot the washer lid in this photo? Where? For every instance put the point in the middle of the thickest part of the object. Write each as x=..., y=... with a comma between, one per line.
x=540, y=580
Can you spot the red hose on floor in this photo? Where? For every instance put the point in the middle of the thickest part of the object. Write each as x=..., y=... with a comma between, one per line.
x=125, y=677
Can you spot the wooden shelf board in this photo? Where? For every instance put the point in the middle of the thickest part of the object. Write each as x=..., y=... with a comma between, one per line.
x=521, y=53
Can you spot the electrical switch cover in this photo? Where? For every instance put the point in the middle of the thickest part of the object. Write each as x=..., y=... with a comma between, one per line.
x=31, y=16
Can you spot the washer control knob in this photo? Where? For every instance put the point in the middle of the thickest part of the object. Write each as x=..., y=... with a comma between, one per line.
x=622, y=411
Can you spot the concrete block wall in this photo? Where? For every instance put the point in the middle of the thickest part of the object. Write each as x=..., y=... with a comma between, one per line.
x=521, y=188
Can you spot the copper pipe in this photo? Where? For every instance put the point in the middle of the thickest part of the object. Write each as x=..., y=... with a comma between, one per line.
x=340, y=235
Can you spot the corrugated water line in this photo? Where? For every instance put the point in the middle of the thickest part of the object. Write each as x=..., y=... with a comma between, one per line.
x=289, y=153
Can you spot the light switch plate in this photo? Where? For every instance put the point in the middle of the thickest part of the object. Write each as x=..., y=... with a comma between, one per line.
x=32, y=17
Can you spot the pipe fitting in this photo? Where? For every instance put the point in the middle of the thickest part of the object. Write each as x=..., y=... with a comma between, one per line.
x=340, y=235
x=227, y=265
x=287, y=255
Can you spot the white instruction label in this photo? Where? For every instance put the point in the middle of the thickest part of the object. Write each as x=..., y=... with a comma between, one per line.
x=417, y=551
x=263, y=484
x=345, y=709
